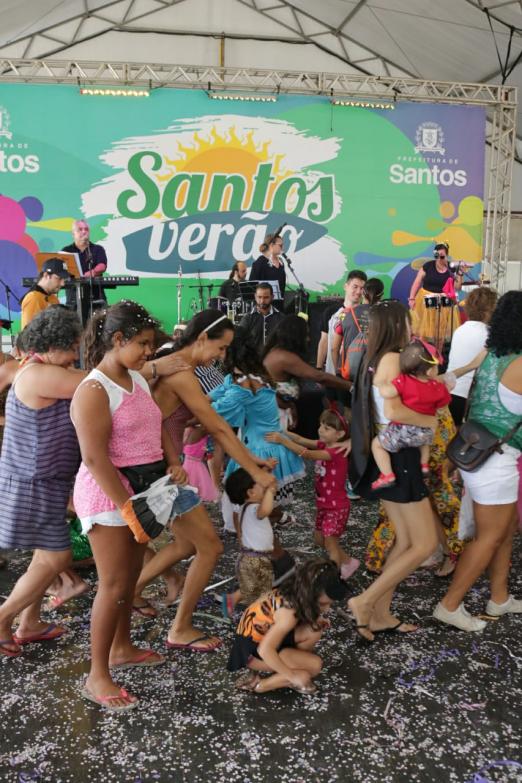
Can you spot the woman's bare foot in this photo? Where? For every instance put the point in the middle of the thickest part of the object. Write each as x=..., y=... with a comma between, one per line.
x=361, y=615
x=175, y=582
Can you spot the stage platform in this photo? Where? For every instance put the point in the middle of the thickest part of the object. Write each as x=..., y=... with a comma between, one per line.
x=436, y=706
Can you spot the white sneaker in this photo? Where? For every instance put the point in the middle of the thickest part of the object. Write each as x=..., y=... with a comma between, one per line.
x=511, y=606
x=460, y=618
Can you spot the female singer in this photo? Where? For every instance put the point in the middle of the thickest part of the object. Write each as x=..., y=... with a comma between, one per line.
x=269, y=266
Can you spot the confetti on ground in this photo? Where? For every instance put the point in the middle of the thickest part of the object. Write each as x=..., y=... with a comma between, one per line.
x=437, y=705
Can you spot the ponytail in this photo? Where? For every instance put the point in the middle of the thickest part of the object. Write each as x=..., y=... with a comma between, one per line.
x=263, y=247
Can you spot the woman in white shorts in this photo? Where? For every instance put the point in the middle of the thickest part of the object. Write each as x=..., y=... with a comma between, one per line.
x=496, y=404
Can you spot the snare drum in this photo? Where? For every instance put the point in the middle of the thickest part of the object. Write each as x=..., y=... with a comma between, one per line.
x=436, y=301
x=218, y=303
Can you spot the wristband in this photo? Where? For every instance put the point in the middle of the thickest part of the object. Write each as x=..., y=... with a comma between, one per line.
x=154, y=371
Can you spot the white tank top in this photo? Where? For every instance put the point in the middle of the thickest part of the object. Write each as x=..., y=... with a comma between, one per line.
x=510, y=399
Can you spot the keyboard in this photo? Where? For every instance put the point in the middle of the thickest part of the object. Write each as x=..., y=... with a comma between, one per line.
x=108, y=281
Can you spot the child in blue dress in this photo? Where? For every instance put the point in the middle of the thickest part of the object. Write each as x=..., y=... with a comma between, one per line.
x=247, y=400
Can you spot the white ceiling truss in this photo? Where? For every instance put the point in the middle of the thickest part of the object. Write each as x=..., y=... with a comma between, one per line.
x=381, y=64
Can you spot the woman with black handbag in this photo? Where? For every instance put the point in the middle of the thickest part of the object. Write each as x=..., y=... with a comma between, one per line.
x=496, y=404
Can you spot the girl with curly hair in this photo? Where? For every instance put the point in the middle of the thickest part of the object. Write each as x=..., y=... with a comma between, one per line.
x=277, y=634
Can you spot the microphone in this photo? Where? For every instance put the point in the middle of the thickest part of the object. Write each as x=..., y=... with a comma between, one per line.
x=283, y=255
x=281, y=227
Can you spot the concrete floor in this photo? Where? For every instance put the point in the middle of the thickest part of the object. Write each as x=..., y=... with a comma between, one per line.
x=437, y=705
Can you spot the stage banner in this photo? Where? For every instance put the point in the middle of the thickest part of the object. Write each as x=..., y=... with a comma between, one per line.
x=178, y=186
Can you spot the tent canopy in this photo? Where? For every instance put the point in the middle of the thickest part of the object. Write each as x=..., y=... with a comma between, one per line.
x=451, y=40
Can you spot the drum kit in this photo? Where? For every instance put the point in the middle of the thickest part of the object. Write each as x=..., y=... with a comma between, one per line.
x=233, y=310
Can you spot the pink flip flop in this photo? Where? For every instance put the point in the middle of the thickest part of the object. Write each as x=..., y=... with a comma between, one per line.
x=9, y=653
x=210, y=647
x=52, y=631
x=107, y=701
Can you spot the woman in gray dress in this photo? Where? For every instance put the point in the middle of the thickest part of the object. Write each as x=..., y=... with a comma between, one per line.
x=40, y=456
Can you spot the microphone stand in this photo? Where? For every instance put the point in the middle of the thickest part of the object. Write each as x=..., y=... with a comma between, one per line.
x=88, y=255
x=200, y=289
x=8, y=294
x=302, y=297
x=180, y=285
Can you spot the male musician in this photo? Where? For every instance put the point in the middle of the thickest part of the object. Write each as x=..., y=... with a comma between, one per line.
x=230, y=288
x=43, y=293
x=264, y=317
x=93, y=262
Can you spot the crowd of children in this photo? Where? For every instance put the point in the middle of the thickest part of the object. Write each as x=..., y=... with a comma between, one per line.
x=134, y=422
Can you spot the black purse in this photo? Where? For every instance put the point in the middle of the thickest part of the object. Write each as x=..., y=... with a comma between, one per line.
x=141, y=477
x=474, y=444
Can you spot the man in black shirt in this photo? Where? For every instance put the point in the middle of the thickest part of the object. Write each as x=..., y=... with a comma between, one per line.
x=264, y=318
x=93, y=262
x=230, y=288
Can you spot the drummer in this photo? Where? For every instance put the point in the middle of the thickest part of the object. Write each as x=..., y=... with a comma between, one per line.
x=433, y=301
x=230, y=288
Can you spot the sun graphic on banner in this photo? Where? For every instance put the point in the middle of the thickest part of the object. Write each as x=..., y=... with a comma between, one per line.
x=227, y=154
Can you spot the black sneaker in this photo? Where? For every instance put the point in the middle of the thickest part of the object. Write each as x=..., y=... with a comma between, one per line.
x=283, y=567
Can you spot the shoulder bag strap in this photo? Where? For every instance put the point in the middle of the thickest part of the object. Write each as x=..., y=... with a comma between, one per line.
x=355, y=319
x=470, y=393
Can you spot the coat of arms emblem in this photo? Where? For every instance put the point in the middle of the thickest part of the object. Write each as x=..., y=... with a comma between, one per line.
x=429, y=138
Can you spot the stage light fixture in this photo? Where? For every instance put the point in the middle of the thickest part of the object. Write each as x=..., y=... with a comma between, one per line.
x=362, y=104
x=222, y=96
x=114, y=92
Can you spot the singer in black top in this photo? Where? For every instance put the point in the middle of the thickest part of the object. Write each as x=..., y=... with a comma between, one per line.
x=93, y=262
x=269, y=266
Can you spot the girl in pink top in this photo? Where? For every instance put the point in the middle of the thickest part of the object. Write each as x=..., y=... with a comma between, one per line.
x=118, y=426
x=195, y=449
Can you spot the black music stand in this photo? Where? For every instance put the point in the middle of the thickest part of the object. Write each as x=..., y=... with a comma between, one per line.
x=247, y=290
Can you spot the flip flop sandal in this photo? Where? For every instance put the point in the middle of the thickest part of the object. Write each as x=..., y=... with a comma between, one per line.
x=6, y=651
x=147, y=610
x=395, y=628
x=210, y=647
x=52, y=631
x=247, y=683
x=54, y=601
x=108, y=701
x=145, y=659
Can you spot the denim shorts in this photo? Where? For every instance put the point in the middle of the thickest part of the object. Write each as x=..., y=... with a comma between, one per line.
x=185, y=501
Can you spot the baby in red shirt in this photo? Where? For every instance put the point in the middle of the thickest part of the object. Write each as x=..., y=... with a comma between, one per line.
x=418, y=390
